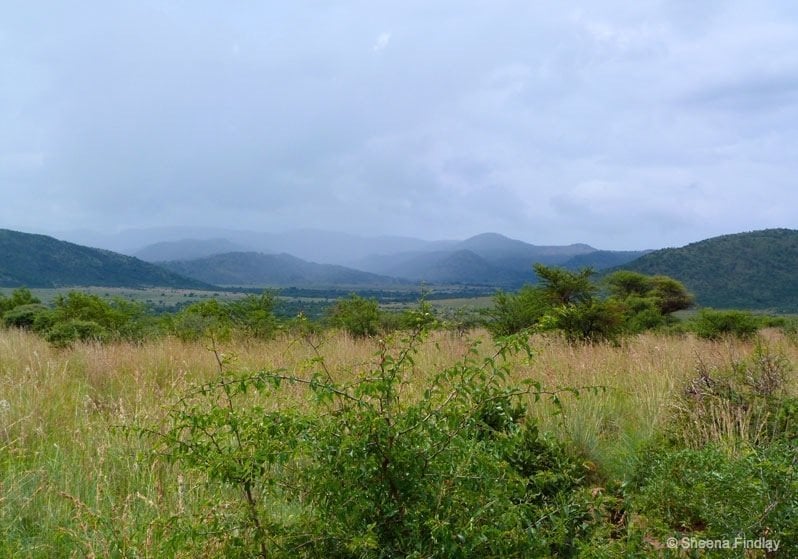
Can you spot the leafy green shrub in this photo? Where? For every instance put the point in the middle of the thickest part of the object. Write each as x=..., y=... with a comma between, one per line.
x=456, y=473
x=24, y=316
x=254, y=315
x=513, y=312
x=712, y=324
x=202, y=320
x=116, y=319
x=358, y=316
x=19, y=297
x=707, y=493
x=588, y=322
x=64, y=334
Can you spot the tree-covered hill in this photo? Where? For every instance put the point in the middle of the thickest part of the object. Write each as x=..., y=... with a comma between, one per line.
x=41, y=261
x=755, y=270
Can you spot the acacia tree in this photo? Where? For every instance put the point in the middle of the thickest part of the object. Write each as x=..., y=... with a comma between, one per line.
x=648, y=300
x=569, y=302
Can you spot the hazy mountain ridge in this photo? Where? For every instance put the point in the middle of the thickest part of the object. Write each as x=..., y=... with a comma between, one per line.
x=276, y=270
x=187, y=249
x=753, y=270
x=40, y=261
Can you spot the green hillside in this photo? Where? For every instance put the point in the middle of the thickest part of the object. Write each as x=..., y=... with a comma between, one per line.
x=41, y=261
x=756, y=270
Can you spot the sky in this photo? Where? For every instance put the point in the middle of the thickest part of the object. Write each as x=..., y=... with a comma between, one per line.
x=625, y=125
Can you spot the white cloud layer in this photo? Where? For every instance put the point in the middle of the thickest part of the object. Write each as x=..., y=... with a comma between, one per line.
x=625, y=125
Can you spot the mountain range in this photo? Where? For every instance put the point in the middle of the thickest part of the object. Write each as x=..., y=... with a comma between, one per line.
x=754, y=270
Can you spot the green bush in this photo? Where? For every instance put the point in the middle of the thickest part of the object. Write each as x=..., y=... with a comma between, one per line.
x=587, y=322
x=254, y=315
x=24, y=316
x=712, y=324
x=64, y=334
x=19, y=297
x=358, y=316
x=707, y=493
x=457, y=473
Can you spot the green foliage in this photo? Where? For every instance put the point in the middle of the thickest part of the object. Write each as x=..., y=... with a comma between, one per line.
x=564, y=287
x=568, y=302
x=457, y=473
x=358, y=316
x=588, y=322
x=713, y=324
x=706, y=493
x=666, y=294
x=20, y=296
x=202, y=320
x=514, y=312
x=115, y=319
x=254, y=315
x=65, y=333
x=251, y=316
x=25, y=316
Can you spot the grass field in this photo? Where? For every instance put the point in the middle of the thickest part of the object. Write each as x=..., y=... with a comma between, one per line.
x=76, y=481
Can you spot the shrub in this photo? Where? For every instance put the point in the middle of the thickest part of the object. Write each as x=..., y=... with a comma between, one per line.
x=24, y=316
x=358, y=316
x=743, y=402
x=19, y=297
x=712, y=324
x=707, y=493
x=457, y=473
x=64, y=334
x=588, y=322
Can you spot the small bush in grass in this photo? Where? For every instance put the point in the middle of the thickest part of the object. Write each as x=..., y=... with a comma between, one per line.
x=24, y=316
x=737, y=403
x=707, y=493
x=64, y=334
x=712, y=324
x=358, y=316
x=459, y=472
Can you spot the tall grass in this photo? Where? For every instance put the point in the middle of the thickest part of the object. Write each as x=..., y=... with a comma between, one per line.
x=75, y=481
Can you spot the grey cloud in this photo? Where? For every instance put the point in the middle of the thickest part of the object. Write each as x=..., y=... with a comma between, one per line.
x=424, y=118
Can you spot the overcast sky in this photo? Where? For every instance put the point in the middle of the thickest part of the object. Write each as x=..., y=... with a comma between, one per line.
x=622, y=124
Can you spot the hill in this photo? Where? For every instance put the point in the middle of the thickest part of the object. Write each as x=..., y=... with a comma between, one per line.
x=602, y=259
x=486, y=259
x=187, y=249
x=755, y=270
x=256, y=269
x=41, y=261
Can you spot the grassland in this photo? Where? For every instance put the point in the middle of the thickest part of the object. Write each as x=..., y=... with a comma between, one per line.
x=77, y=481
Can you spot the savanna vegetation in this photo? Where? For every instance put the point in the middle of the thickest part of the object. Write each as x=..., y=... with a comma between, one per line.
x=574, y=418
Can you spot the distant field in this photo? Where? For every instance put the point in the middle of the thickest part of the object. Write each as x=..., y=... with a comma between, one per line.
x=312, y=302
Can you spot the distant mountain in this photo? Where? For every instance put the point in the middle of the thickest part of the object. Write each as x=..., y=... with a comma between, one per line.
x=273, y=270
x=602, y=259
x=450, y=267
x=41, y=261
x=328, y=247
x=755, y=270
x=187, y=249
x=487, y=259
x=518, y=256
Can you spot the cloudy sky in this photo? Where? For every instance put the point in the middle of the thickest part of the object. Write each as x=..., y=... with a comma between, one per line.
x=622, y=124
